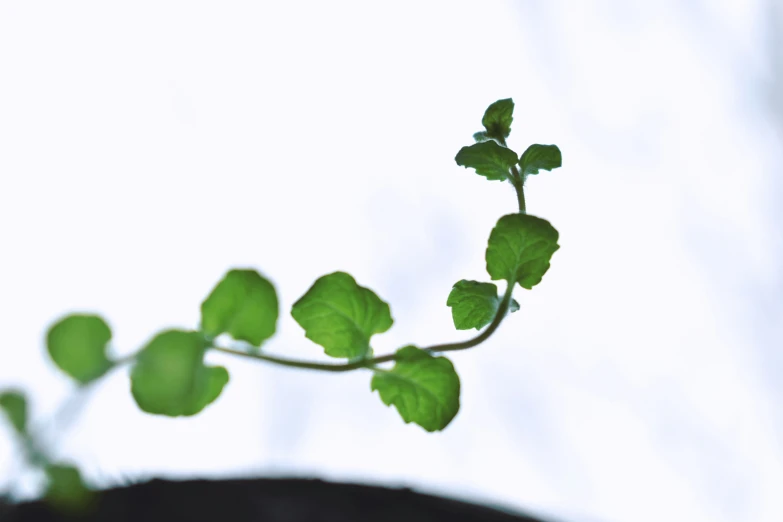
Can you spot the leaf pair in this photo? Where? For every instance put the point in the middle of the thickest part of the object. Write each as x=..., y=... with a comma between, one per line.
x=342, y=316
x=519, y=250
x=425, y=389
x=335, y=313
x=169, y=376
x=495, y=162
x=490, y=157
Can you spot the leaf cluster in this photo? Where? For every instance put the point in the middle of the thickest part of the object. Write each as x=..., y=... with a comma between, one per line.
x=169, y=377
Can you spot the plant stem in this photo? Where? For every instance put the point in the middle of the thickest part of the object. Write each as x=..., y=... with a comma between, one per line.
x=294, y=363
x=518, y=180
x=369, y=363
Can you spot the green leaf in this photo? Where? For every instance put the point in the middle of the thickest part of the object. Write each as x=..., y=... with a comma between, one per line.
x=14, y=404
x=77, y=345
x=490, y=160
x=423, y=388
x=66, y=489
x=474, y=304
x=244, y=305
x=537, y=157
x=520, y=248
x=170, y=378
x=498, y=117
x=341, y=316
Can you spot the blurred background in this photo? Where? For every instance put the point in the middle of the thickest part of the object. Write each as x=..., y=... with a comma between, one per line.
x=147, y=148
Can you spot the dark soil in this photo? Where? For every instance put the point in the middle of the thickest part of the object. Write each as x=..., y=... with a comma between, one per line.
x=262, y=500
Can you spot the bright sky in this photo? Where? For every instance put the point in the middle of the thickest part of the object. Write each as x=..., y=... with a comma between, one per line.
x=148, y=147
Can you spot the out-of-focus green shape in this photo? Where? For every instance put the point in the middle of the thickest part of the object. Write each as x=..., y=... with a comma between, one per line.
x=423, y=388
x=481, y=136
x=498, y=117
x=536, y=157
x=169, y=376
x=474, y=304
x=341, y=316
x=77, y=345
x=14, y=404
x=244, y=305
x=489, y=159
x=520, y=248
x=66, y=490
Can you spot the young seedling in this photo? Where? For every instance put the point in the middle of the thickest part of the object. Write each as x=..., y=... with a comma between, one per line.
x=169, y=377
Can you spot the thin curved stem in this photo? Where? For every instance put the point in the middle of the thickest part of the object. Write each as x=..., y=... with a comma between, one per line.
x=371, y=362
x=306, y=365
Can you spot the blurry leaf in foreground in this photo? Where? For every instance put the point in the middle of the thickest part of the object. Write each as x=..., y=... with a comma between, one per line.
x=77, y=345
x=169, y=376
x=66, y=490
x=14, y=404
x=243, y=305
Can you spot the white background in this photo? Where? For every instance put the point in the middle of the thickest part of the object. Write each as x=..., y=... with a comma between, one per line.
x=148, y=147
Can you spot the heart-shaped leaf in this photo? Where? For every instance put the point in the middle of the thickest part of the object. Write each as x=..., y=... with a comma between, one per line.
x=77, y=345
x=423, y=388
x=341, y=316
x=170, y=378
x=243, y=305
x=520, y=248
